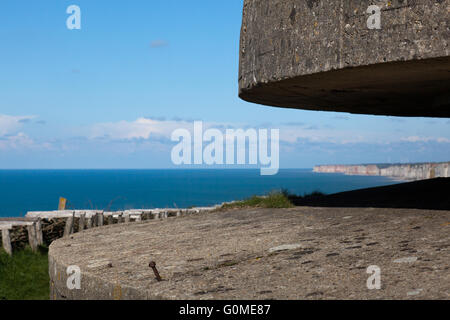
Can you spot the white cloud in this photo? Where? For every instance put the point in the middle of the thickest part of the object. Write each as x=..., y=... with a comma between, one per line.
x=142, y=128
x=17, y=141
x=12, y=136
x=425, y=139
x=146, y=129
x=153, y=134
x=11, y=124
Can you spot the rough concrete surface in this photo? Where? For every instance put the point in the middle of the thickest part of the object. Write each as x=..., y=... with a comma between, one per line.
x=299, y=253
x=320, y=55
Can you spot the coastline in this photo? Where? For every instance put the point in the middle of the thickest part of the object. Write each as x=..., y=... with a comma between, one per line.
x=404, y=172
x=112, y=190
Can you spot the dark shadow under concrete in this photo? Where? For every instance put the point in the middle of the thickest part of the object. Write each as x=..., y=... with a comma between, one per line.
x=431, y=194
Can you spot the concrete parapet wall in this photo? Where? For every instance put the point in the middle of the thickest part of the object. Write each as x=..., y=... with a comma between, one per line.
x=93, y=287
x=261, y=254
x=52, y=225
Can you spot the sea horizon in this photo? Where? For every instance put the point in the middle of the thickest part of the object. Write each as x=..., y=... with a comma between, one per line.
x=24, y=190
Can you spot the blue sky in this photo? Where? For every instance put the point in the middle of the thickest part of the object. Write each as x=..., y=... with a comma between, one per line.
x=108, y=95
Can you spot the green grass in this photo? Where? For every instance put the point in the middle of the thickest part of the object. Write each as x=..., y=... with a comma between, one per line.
x=24, y=276
x=275, y=199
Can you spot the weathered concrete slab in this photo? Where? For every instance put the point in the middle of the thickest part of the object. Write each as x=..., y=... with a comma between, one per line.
x=299, y=253
x=9, y=223
x=134, y=213
x=321, y=55
x=60, y=214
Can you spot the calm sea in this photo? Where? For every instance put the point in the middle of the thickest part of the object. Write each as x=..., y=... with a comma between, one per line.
x=39, y=190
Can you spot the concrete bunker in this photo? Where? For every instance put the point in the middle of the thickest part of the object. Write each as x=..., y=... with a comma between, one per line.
x=322, y=55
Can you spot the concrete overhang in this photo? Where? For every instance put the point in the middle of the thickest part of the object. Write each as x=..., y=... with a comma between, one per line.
x=321, y=55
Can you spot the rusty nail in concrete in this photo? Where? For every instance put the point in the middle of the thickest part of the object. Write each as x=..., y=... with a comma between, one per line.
x=152, y=265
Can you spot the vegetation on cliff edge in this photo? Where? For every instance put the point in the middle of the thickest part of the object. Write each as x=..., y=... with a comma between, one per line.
x=275, y=199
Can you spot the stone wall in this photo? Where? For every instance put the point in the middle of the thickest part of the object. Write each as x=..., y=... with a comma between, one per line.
x=52, y=229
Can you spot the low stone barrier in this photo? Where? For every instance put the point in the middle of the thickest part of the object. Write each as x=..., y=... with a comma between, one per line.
x=44, y=227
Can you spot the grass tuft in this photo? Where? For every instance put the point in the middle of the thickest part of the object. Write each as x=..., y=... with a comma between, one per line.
x=275, y=199
x=24, y=276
